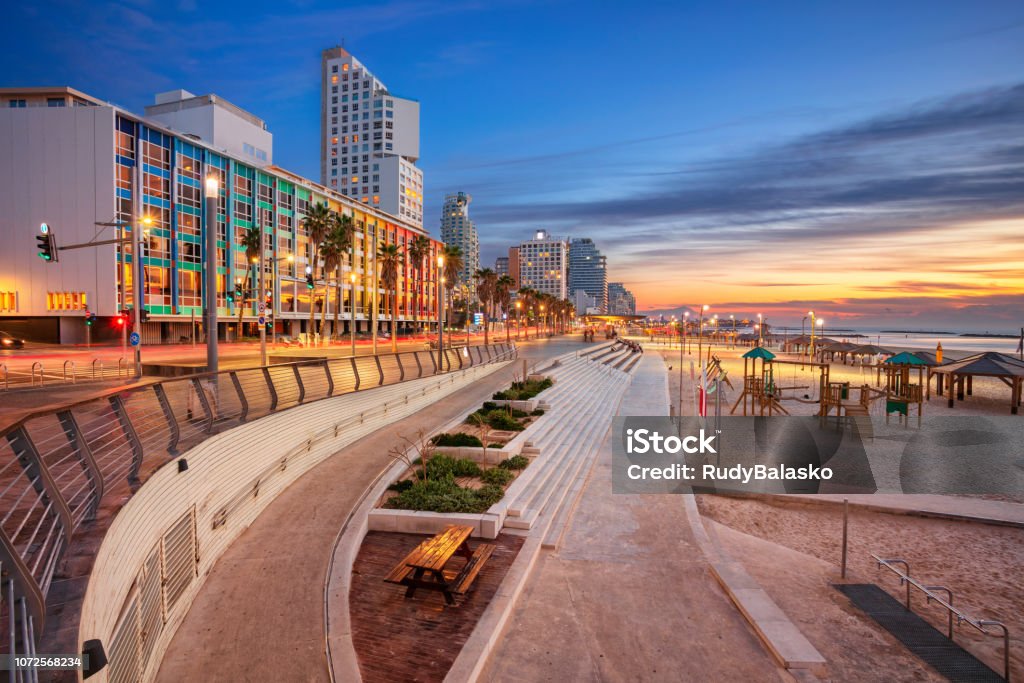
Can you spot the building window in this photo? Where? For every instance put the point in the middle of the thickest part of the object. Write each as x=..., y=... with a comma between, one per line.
x=9, y=302
x=16, y=104
x=55, y=102
x=66, y=301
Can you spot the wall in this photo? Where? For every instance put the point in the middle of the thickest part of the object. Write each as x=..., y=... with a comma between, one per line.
x=56, y=166
x=220, y=469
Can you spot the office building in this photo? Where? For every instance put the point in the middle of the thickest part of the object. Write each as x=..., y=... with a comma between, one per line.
x=501, y=265
x=457, y=230
x=369, y=139
x=544, y=264
x=584, y=303
x=588, y=271
x=513, y=265
x=75, y=162
x=620, y=300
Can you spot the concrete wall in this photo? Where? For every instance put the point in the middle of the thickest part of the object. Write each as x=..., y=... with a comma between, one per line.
x=57, y=167
x=221, y=469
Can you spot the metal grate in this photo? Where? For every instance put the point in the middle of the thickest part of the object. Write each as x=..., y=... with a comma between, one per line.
x=179, y=554
x=124, y=647
x=917, y=635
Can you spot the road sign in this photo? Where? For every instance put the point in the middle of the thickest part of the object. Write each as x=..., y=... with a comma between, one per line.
x=262, y=320
x=262, y=307
x=134, y=338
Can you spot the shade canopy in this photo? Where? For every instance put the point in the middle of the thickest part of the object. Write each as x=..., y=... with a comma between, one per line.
x=871, y=350
x=759, y=352
x=838, y=347
x=905, y=358
x=987, y=364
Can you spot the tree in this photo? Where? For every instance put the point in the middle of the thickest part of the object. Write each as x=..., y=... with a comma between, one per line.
x=486, y=280
x=503, y=296
x=337, y=243
x=452, y=266
x=317, y=225
x=390, y=257
x=418, y=250
x=252, y=242
x=529, y=298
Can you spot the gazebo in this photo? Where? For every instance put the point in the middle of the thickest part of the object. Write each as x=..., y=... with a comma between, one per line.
x=871, y=350
x=841, y=348
x=961, y=374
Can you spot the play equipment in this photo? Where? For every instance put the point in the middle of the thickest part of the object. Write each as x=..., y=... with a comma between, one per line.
x=900, y=392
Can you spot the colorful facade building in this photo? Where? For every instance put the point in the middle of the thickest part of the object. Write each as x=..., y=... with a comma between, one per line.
x=94, y=172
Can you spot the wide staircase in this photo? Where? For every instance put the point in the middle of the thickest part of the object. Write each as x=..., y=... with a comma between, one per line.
x=579, y=408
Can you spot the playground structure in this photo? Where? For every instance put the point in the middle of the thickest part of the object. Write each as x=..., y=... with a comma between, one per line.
x=900, y=392
x=762, y=392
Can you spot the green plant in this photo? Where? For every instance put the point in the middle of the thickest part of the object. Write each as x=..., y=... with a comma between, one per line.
x=402, y=485
x=516, y=462
x=497, y=476
x=520, y=391
x=519, y=413
x=495, y=445
x=456, y=439
x=538, y=412
x=499, y=419
x=444, y=495
x=442, y=465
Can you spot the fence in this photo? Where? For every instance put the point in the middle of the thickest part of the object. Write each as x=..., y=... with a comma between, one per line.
x=57, y=467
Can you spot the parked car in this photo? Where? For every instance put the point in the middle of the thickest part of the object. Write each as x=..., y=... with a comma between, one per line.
x=9, y=341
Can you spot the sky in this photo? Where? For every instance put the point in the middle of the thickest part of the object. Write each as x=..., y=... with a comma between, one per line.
x=864, y=159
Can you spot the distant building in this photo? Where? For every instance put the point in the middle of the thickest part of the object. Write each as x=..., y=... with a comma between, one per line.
x=585, y=304
x=458, y=230
x=214, y=119
x=588, y=271
x=369, y=138
x=620, y=300
x=501, y=265
x=513, y=265
x=544, y=264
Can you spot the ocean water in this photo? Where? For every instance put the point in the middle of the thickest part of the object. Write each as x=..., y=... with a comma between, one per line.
x=928, y=341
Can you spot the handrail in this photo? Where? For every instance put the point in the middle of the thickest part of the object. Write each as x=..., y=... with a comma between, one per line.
x=72, y=363
x=961, y=618
x=35, y=365
x=3, y=367
x=121, y=364
x=94, y=362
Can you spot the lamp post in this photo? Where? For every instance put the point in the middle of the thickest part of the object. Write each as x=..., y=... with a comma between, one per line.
x=519, y=307
x=210, y=290
x=700, y=334
x=760, y=325
x=715, y=337
x=140, y=289
x=810, y=348
x=543, y=322
x=686, y=342
x=733, y=319
x=352, y=305
x=440, y=313
x=821, y=328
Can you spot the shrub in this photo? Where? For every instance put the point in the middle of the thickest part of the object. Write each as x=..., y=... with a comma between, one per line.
x=499, y=419
x=538, y=412
x=495, y=445
x=444, y=495
x=520, y=391
x=441, y=466
x=519, y=413
x=497, y=476
x=457, y=439
x=516, y=462
x=487, y=407
x=402, y=485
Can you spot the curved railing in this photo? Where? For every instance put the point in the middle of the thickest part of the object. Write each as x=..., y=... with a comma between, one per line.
x=57, y=467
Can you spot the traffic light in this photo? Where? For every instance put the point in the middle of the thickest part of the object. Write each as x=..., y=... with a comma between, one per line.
x=143, y=315
x=46, y=244
x=90, y=318
x=238, y=290
x=309, y=277
x=121, y=319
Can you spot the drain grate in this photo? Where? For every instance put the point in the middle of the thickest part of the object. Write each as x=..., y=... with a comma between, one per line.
x=920, y=637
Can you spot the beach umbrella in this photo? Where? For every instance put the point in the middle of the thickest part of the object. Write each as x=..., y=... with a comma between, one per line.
x=905, y=358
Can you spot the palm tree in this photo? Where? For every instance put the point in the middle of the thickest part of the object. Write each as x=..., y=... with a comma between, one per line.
x=452, y=266
x=503, y=296
x=317, y=225
x=390, y=257
x=417, y=251
x=335, y=246
x=486, y=280
x=251, y=242
x=528, y=295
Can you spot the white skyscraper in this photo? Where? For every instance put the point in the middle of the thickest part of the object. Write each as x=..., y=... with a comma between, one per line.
x=544, y=264
x=369, y=138
x=458, y=230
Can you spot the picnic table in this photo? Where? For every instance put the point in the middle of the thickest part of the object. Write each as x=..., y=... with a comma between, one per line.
x=425, y=566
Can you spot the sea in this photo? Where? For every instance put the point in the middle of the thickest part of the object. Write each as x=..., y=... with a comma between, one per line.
x=951, y=341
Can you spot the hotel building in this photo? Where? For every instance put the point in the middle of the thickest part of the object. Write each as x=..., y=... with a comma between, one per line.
x=75, y=163
x=544, y=264
x=457, y=230
x=588, y=273
x=369, y=139
x=620, y=300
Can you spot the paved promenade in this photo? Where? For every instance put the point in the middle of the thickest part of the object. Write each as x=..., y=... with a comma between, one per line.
x=628, y=595
x=260, y=615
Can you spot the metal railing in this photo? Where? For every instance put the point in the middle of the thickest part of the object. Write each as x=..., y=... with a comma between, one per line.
x=947, y=604
x=57, y=465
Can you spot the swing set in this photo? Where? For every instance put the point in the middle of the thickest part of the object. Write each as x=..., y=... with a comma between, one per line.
x=763, y=393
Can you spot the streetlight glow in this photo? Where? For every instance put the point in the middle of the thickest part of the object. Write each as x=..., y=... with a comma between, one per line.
x=212, y=186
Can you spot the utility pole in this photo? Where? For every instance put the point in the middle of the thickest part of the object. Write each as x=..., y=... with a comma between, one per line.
x=440, y=314
x=139, y=273
x=261, y=299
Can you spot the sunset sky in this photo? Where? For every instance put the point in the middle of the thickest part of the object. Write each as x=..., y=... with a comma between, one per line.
x=865, y=159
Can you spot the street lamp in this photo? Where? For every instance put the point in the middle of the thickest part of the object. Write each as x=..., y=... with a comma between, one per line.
x=352, y=305
x=760, y=326
x=519, y=306
x=700, y=334
x=543, y=321
x=210, y=290
x=810, y=348
x=290, y=258
x=440, y=314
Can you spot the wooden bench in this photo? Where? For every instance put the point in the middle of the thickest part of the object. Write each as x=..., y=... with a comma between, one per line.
x=425, y=566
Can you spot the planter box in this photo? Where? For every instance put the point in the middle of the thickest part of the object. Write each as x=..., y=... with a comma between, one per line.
x=491, y=457
x=485, y=525
x=527, y=406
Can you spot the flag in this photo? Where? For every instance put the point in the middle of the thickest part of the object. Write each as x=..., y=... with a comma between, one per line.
x=703, y=390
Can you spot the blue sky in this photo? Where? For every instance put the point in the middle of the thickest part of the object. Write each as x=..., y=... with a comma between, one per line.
x=670, y=132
